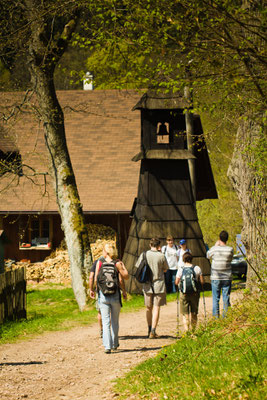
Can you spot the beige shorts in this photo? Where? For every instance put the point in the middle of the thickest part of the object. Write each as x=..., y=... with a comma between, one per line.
x=154, y=299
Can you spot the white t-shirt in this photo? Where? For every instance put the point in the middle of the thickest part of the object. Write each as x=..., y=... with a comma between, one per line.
x=171, y=254
x=180, y=256
x=197, y=271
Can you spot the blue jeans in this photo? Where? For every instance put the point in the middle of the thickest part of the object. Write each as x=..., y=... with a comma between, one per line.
x=217, y=287
x=110, y=310
x=170, y=276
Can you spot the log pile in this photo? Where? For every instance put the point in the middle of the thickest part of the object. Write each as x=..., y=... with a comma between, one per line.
x=55, y=268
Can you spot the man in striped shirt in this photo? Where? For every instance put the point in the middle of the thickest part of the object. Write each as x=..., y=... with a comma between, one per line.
x=221, y=273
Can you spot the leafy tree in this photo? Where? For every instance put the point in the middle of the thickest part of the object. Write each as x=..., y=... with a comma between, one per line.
x=218, y=49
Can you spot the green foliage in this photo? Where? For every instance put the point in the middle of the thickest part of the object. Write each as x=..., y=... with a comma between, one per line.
x=157, y=43
x=69, y=72
x=225, y=212
x=227, y=360
x=116, y=73
x=216, y=48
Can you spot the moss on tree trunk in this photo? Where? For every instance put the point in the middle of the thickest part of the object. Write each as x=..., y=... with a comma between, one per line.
x=246, y=172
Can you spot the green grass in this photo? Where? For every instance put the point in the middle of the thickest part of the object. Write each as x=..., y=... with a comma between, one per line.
x=227, y=360
x=53, y=308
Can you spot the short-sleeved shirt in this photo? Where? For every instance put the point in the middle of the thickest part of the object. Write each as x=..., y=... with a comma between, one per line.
x=171, y=255
x=180, y=254
x=197, y=271
x=158, y=264
x=221, y=262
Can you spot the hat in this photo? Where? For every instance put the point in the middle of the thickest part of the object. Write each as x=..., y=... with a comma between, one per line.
x=182, y=241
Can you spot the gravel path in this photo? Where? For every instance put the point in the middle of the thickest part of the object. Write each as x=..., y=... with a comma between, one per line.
x=73, y=366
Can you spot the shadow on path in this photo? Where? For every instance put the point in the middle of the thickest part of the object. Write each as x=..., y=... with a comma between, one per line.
x=127, y=337
x=23, y=363
x=142, y=349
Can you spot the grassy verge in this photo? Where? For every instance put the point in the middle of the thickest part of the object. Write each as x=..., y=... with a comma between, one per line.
x=227, y=360
x=53, y=308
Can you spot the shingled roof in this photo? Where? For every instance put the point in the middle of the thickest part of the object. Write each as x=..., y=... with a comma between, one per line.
x=103, y=135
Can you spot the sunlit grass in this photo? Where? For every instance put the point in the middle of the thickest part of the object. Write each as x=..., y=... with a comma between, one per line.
x=225, y=360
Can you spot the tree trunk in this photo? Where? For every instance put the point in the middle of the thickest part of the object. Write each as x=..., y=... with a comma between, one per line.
x=43, y=56
x=250, y=186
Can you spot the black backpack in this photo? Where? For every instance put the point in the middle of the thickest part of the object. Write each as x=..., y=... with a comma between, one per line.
x=143, y=274
x=188, y=282
x=108, y=278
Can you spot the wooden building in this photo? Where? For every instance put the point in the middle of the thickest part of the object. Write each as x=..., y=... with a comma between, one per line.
x=102, y=135
x=165, y=204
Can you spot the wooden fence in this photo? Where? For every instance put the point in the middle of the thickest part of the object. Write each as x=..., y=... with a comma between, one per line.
x=13, y=294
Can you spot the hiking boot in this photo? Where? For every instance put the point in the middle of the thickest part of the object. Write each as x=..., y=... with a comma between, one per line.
x=153, y=335
x=107, y=351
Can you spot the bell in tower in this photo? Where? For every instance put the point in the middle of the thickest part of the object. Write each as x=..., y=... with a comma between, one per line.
x=167, y=190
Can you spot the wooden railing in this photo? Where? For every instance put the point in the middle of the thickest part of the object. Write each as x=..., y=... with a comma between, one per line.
x=13, y=294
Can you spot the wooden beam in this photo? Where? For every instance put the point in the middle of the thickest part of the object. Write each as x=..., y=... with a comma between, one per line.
x=164, y=154
x=189, y=123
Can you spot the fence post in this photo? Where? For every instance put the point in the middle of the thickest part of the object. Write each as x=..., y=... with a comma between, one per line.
x=13, y=295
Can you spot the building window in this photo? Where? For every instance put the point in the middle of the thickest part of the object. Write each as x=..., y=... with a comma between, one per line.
x=36, y=234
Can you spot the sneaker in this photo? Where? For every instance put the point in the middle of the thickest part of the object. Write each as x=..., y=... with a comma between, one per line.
x=115, y=348
x=153, y=335
x=107, y=351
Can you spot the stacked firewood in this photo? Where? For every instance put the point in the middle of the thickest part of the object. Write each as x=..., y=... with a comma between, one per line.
x=55, y=268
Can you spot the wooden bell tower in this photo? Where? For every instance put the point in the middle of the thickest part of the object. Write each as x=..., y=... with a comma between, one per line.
x=165, y=204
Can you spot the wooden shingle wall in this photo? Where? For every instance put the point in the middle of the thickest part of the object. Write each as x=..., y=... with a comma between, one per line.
x=165, y=206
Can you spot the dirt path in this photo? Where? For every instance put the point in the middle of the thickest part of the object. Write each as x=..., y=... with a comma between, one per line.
x=72, y=365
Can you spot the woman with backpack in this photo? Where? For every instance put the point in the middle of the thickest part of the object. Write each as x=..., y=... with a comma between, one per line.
x=109, y=279
x=188, y=279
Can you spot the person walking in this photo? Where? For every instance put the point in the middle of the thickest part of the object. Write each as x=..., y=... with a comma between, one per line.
x=154, y=292
x=221, y=273
x=110, y=279
x=170, y=251
x=188, y=279
x=94, y=296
